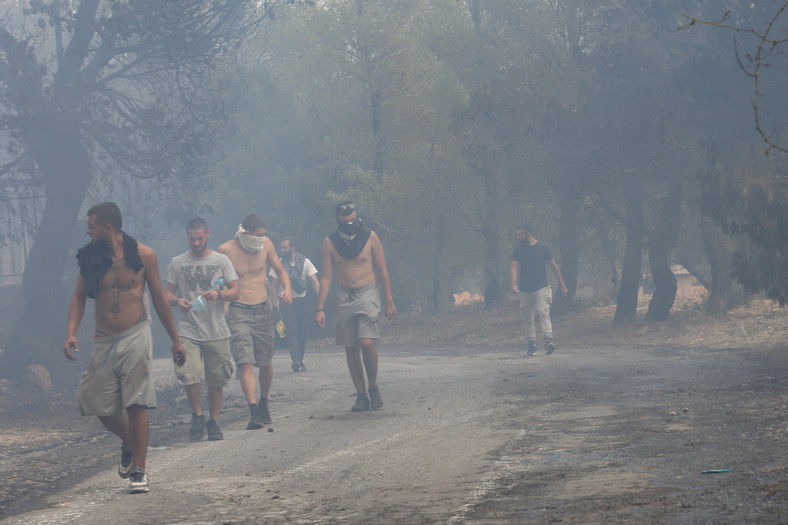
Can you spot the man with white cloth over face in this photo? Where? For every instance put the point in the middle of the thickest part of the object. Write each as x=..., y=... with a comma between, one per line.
x=250, y=317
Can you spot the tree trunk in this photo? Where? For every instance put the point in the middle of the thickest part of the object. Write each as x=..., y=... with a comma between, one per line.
x=568, y=233
x=65, y=167
x=659, y=256
x=492, y=255
x=439, y=293
x=627, y=302
x=664, y=281
x=720, y=269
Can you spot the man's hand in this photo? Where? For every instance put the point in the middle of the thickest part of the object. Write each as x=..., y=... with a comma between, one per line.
x=184, y=304
x=515, y=288
x=211, y=296
x=564, y=291
x=391, y=310
x=320, y=318
x=178, y=354
x=71, y=343
x=286, y=297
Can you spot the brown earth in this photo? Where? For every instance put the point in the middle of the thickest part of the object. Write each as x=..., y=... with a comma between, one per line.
x=45, y=446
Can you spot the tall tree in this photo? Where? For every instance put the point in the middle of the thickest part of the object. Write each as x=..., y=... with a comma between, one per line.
x=96, y=90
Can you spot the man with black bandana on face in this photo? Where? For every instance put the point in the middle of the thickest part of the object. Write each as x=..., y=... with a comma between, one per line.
x=355, y=252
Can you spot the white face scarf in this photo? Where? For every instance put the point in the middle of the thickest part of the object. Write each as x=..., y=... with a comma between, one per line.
x=249, y=242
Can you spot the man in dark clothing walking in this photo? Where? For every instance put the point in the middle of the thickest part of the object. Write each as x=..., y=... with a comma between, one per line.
x=529, y=282
x=295, y=316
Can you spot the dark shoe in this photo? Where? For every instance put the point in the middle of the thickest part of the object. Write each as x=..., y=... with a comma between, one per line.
x=301, y=367
x=197, y=430
x=262, y=411
x=549, y=347
x=375, y=401
x=139, y=483
x=296, y=367
x=255, y=423
x=214, y=432
x=531, y=348
x=362, y=403
x=124, y=467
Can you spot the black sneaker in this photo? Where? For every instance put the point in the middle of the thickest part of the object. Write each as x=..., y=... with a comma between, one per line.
x=139, y=483
x=531, y=348
x=362, y=403
x=197, y=430
x=549, y=347
x=214, y=432
x=375, y=401
x=262, y=411
x=301, y=366
x=255, y=423
x=296, y=367
x=125, y=465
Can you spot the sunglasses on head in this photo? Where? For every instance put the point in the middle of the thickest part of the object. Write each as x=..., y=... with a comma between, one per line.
x=346, y=209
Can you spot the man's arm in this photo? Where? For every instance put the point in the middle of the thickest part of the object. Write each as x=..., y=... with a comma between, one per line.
x=325, y=282
x=513, y=276
x=557, y=272
x=379, y=258
x=315, y=283
x=232, y=292
x=273, y=291
x=173, y=299
x=76, y=309
x=160, y=304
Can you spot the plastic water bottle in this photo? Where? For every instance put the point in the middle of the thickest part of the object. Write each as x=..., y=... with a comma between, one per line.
x=220, y=284
x=198, y=304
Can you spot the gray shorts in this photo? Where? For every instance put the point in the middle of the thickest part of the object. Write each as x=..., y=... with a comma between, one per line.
x=211, y=356
x=120, y=373
x=252, y=329
x=356, y=313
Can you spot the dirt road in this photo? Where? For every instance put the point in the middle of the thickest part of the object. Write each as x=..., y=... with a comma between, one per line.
x=586, y=435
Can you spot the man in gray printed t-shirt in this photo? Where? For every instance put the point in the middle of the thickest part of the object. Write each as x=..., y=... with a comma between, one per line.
x=194, y=283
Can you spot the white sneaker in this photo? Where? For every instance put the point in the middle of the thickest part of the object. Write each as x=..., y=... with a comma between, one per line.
x=139, y=481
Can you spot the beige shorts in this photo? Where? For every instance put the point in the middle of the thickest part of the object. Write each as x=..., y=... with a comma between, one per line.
x=252, y=329
x=212, y=357
x=356, y=314
x=120, y=373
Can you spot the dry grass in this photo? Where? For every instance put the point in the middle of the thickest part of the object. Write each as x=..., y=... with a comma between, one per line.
x=761, y=326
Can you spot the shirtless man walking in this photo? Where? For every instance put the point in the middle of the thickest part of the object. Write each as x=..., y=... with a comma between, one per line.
x=114, y=269
x=250, y=317
x=355, y=252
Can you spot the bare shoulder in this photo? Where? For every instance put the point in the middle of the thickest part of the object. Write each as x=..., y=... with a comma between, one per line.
x=374, y=239
x=146, y=253
x=328, y=246
x=225, y=247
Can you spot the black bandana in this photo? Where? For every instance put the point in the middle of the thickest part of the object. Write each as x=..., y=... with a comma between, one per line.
x=350, y=239
x=95, y=260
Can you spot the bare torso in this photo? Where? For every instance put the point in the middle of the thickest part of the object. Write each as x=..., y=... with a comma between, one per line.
x=354, y=273
x=252, y=270
x=119, y=303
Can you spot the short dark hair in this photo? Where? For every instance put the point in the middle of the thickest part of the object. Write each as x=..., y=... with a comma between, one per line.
x=252, y=222
x=288, y=238
x=197, y=223
x=345, y=208
x=527, y=228
x=107, y=213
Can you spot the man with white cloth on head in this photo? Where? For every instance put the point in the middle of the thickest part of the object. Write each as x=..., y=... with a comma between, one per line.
x=250, y=317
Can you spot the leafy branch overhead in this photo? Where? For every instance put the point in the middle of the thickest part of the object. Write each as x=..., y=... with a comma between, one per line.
x=768, y=49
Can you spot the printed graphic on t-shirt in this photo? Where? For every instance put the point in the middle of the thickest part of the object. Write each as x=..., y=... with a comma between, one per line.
x=200, y=277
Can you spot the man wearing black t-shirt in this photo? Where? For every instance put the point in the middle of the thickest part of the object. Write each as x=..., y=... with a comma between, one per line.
x=529, y=282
